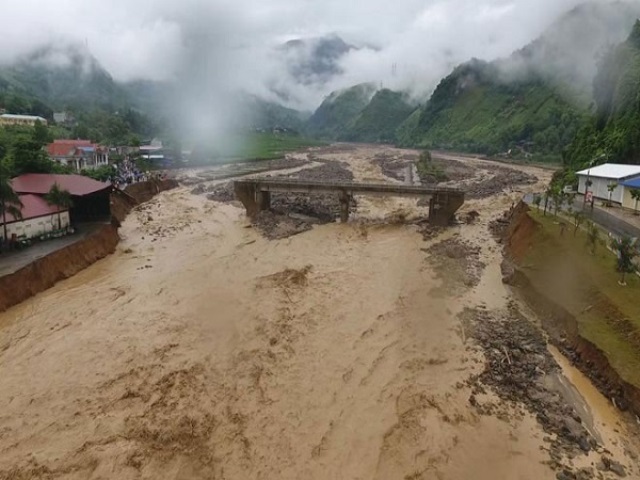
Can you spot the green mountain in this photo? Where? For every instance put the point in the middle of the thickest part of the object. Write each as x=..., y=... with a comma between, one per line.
x=65, y=78
x=379, y=120
x=261, y=114
x=613, y=132
x=533, y=102
x=339, y=110
x=477, y=109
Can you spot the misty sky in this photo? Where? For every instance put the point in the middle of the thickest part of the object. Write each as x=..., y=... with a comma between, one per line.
x=230, y=44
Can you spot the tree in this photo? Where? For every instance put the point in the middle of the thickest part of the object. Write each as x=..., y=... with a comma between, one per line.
x=558, y=198
x=625, y=250
x=547, y=195
x=537, y=200
x=60, y=198
x=41, y=134
x=593, y=236
x=635, y=194
x=578, y=218
x=9, y=200
x=611, y=187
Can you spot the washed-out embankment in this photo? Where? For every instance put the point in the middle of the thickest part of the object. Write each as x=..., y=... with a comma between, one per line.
x=560, y=325
x=46, y=271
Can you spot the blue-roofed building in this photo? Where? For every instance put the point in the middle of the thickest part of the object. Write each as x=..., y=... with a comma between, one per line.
x=629, y=185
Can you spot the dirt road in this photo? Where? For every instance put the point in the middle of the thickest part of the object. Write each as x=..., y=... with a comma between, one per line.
x=202, y=350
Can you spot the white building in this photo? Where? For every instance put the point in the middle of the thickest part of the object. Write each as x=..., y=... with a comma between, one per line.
x=604, y=175
x=28, y=120
x=38, y=218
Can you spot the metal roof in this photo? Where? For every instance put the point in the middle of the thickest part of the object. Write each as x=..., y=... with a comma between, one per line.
x=612, y=170
x=33, y=206
x=21, y=117
x=633, y=183
x=41, y=183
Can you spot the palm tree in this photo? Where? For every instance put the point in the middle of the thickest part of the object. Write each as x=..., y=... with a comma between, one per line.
x=593, y=235
x=625, y=250
x=60, y=198
x=9, y=202
x=611, y=187
x=578, y=218
x=635, y=194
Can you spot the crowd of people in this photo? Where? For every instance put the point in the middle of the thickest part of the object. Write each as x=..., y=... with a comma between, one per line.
x=126, y=172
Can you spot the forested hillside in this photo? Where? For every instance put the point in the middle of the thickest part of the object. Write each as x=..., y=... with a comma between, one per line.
x=477, y=109
x=70, y=80
x=532, y=103
x=379, y=120
x=339, y=110
x=613, y=132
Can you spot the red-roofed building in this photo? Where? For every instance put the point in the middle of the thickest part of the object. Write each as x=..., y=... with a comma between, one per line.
x=79, y=154
x=41, y=183
x=91, y=199
x=38, y=218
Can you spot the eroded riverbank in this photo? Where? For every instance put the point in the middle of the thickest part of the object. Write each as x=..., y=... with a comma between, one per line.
x=202, y=349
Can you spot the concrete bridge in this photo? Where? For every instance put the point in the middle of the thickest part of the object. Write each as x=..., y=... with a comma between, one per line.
x=255, y=194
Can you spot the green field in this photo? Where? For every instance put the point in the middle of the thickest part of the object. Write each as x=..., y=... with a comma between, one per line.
x=269, y=146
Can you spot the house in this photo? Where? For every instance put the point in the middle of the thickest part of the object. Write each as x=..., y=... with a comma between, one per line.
x=63, y=118
x=79, y=154
x=91, y=199
x=38, y=218
x=604, y=175
x=28, y=120
x=627, y=199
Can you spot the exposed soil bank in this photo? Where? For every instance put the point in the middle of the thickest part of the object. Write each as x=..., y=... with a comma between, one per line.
x=558, y=322
x=44, y=272
x=123, y=203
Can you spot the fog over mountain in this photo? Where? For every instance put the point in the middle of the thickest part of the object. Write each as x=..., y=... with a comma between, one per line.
x=400, y=44
x=287, y=51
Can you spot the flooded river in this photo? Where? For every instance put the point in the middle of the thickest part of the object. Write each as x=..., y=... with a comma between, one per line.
x=201, y=350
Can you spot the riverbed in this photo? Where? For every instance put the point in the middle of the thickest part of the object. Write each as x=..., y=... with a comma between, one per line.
x=202, y=350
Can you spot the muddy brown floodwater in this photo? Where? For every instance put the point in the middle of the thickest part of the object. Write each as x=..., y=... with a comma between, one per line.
x=202, y=350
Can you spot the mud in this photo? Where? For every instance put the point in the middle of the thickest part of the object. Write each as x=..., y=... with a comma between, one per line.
x=292, y=213
x=456, y=262
x=208, y=351
x=45, y=272
x=520, y=369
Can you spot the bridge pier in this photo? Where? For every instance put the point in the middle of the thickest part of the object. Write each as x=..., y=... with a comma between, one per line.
x=255, y=195
x=263, y=199
x=345, y=203
x=443, y=207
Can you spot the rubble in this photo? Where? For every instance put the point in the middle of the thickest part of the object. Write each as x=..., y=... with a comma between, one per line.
x=520, y=370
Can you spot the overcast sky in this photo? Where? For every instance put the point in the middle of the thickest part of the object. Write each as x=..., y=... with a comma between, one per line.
x=155, y=39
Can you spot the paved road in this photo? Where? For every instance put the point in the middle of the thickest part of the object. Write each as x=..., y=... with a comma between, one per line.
x=600, y=216
x=13, y=261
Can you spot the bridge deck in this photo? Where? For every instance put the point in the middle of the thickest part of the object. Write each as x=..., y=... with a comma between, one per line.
x=309, y=186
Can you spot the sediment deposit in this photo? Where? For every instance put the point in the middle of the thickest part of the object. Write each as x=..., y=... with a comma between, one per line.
x=203, y=349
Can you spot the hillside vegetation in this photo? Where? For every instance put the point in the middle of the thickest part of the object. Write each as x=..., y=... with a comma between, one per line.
x=613, y=132
x=379, y=120
x=476, y=109
x=339, y=110
x=69, y=79
x=528, y=105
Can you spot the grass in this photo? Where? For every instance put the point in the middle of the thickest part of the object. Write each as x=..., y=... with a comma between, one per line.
x=269, y=146
x=600, y=314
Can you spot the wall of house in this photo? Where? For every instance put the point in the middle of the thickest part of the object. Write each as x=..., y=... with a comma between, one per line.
x=627, y=200
x=600, y=189
x=34, y=227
